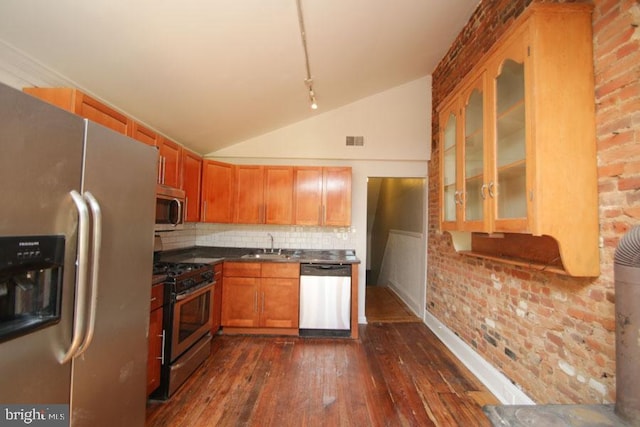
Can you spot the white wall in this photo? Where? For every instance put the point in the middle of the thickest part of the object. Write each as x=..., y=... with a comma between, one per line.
x=396, y=125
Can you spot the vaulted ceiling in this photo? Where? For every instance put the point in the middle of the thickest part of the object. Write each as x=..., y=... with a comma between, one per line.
x=211, y=73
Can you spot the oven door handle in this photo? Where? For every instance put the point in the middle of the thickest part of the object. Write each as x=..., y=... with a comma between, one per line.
x=195, y=292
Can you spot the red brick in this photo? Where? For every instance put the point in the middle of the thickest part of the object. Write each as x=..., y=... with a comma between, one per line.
x=632, y=167
x=618, y=136
x=629, y=183
x=614, y=169
x=612, y=213
x=613, y=85
x=633, y=212
x=617, y=153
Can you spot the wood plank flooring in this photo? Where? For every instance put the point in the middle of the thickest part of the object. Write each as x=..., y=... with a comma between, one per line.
x=383, y=305
x=396, y=374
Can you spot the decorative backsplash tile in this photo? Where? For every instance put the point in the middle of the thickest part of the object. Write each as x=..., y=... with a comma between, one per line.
x=257, y=236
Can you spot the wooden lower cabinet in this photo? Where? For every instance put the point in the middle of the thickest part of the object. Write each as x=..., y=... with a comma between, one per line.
x=260, y=296
x=154, y=358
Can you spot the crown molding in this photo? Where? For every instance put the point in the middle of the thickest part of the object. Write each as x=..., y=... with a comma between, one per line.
x=19, y=70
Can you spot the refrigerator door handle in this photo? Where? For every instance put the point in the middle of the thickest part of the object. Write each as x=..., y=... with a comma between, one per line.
x=81, y=278
x=96, y=244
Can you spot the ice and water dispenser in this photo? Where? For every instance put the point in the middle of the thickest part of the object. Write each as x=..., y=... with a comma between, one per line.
x=30, y=283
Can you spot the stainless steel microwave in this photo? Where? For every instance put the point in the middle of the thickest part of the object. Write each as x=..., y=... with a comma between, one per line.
x=169, y=208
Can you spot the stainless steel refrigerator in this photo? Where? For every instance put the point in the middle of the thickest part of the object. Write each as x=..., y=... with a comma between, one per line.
x=74, y=319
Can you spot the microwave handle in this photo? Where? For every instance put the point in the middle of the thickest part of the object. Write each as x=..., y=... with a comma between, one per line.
x=179, y=217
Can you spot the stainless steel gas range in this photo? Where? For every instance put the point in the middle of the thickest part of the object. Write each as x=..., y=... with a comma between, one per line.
x=186, y=324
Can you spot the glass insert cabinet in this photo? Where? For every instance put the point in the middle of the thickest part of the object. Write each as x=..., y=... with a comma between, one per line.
x=517, y=145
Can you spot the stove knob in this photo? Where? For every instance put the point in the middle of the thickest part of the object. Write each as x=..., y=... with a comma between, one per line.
x=208, y=275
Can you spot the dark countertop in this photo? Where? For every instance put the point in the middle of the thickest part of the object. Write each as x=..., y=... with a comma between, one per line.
x=216, y=254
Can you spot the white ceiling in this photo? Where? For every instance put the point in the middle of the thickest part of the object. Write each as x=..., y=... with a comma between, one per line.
x=211, y=73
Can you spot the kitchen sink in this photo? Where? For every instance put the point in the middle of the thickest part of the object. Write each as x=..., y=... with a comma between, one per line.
x=268, y=255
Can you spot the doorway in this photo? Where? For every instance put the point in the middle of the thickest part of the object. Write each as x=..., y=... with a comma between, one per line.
x=396, y=248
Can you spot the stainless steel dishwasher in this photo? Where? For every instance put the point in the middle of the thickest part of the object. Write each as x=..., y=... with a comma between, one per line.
x=325, y=300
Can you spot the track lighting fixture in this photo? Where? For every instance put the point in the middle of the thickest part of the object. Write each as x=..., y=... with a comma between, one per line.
x=312, y=95
x=308, y=81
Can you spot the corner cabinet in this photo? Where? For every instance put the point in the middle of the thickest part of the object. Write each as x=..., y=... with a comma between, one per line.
x=517, y=147
x=191, y=184
x=217, y=192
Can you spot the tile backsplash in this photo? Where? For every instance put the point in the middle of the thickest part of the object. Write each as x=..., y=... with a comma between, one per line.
x=257, y=236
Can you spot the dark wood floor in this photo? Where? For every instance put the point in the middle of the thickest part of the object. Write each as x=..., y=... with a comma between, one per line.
x=383, y=305
x=396, y=374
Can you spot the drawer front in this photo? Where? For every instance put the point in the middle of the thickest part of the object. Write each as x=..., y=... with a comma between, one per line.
x=279, y=269
x=241, y=269
x=157, y=296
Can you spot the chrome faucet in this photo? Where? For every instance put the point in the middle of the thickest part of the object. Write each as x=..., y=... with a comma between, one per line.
x=271, y=236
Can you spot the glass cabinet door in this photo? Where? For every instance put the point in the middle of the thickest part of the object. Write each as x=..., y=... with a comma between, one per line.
x=474, y=189
x=510, y=148
x=449, y=157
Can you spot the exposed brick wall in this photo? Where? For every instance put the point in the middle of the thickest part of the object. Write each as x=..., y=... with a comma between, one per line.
x=554, y=336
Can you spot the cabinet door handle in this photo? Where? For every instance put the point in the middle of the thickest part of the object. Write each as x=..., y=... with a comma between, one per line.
x=491, y=193
x=482, y=191
x=255, y=301
x=164, y=168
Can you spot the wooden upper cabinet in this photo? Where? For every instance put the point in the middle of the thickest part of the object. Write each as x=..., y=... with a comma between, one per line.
x=144, y=134
x=249, y=194
x=263, y=194
x=192, y=184
x=336, y=185
x=217, y=192
x=85, y=106
x=449, y=120
x=170, y=163
x=517, y=138
x=322, y=196
x=307, y=195
x=278, y=195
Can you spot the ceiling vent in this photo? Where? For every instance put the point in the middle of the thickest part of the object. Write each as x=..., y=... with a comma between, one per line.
x=355, y=141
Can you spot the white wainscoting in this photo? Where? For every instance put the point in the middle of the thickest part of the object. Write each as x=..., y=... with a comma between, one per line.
x=403, y=268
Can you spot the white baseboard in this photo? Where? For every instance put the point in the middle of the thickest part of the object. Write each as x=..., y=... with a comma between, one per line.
x=405, y=297
x=498, y=384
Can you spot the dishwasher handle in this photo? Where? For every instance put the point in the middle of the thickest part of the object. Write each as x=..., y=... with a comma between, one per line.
x=335, y=270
